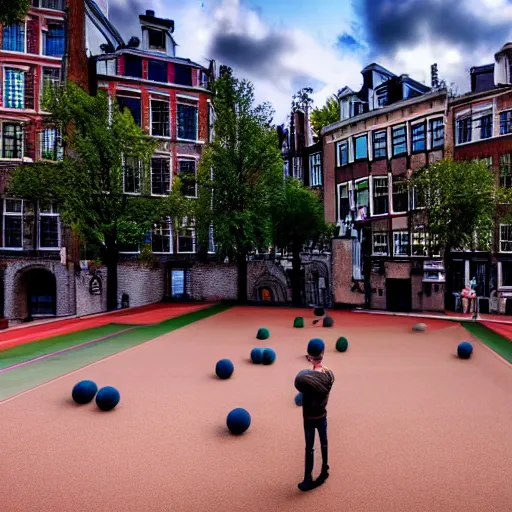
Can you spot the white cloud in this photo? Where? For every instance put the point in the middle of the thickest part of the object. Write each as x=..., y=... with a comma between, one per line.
x=306, y=60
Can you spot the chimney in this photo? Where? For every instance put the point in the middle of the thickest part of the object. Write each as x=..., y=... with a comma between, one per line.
x=150, y=13
x=75, y=60
x=434, y=76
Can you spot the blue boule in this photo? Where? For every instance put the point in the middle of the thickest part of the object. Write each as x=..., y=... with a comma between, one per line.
x=224, y=369
x=107, y=398
x=464, y=350
x=238, y=421
x=269, y=356
x=84, y=392
x=257, y=355
x=298, y=399
x=315, y=347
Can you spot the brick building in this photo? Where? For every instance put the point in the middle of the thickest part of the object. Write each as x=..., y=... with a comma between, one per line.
x=391, y=127
x=479, y=124
x=169, y=98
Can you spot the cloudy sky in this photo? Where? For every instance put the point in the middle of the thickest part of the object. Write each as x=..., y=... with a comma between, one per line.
x=283, y=45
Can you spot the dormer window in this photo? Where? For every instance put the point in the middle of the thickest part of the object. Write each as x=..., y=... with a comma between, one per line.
x=156, y=39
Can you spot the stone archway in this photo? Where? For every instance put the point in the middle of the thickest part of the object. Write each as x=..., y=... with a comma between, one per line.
x=35, y=293
x=316, y=283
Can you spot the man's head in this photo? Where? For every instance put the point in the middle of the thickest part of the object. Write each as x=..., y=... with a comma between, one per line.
x=316, y=348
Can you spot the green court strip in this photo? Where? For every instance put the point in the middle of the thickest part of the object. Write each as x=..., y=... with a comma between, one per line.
x=22, y=379
x=495, y=341
x=27, y=351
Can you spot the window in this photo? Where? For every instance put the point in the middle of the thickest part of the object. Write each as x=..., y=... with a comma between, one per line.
x=487, y=160
x=436, y=133
x=51, y=144
x=156, y=39
x=506, y=274
x=486, y=126
x=400, y=195
x=505, y=237
x=187, y=170
x=379, y=144
x=419, y=243
x=357, y=257
x=131, y=175
x=49, y=224
x=315, y=170
x=380, y=195
x=13, y=38
x=344, y=201
x=49, y=83
x=418, y=137
x=161, y=237
x=182, y=75
x=57, y=5
x=297, y=167
x=177, y=283
x=382, y=97
x=53, y=40
x=187, y=236
x=399, y=141
x=211, y=241
x=106, y=67
x=133, y=105
x=380, y=244
x=12, y=141
x=14, y=88
x=187, y=122
x=361, y=199
x=506, y=170
x=358, y=108
x=400, y=243
x=157, y=71
x=160, y=176
x=464, y=130
x=13, y=224
x=132, y=66
x=361, y=147
x=506, y=122
x=286, y=168
x=160, y=122
x=342, y=154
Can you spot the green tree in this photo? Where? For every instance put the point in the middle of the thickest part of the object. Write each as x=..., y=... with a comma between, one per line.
x=87, y=184
x=326, y=115
x=247, y=170
x=297, y=218
x=459, y=200
x=12, y=11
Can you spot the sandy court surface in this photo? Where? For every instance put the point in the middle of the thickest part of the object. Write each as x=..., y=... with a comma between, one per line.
x=411, y=427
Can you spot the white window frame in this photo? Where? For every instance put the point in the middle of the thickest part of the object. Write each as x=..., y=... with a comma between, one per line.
x=24, y=42
x=501, y=286
x=178, y=120
x=338, y=156
x=12, y=214
x=407, y=140
x=52, y=213
x=350, y=187
x=315, y=170
x=372, y=187
x=361, y=136
x=2, y=123
x=58, y=140
x=400, y=233
x=430, y=134
x=48, y=8
x=48, y=20
x=162, y=100
x=384, y=234
x=368, y=206
x=157, y=156
x=392, y=195
x=184, y=224
x=181, y=157
x=24, y=70
x=211, y=241
x=506, y=241
x=171, y=241
x=298, y=172
x=123, y=163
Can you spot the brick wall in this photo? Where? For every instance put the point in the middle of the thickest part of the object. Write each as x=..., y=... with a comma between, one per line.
x=329, y=165
x=86, y=303
x=143, y=285
x=342, y=274
x=15, y=287
x=214, y=282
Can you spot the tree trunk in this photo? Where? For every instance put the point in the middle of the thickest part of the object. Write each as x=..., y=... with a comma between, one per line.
x=112, y=259
x=296, y=288
x=242, y=278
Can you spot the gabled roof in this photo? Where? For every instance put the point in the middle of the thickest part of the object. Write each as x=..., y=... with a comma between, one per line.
x=377, y=67
x=101, y=22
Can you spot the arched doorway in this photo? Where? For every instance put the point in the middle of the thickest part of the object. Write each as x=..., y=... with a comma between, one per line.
x=265, y=295
x=40, y=291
